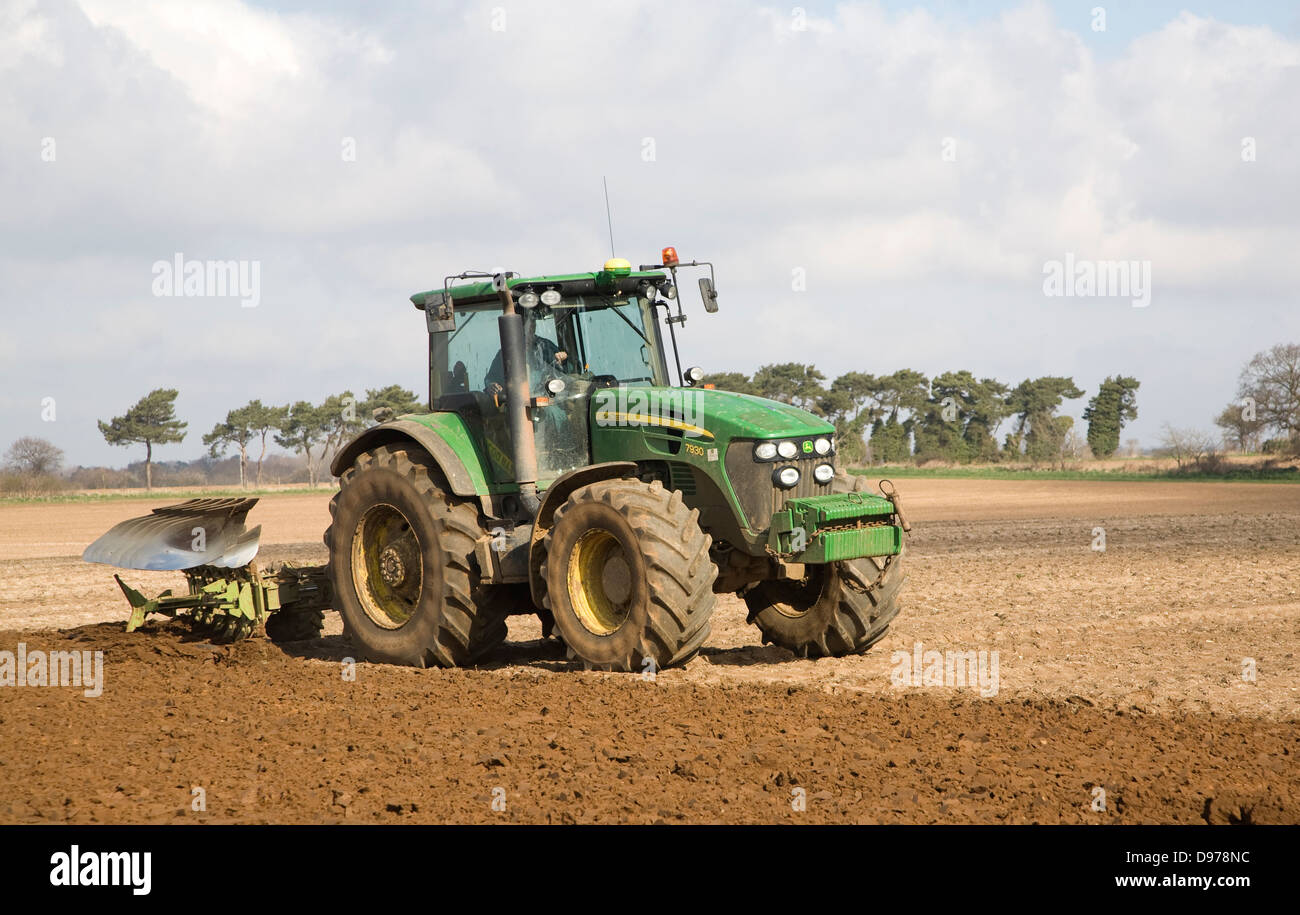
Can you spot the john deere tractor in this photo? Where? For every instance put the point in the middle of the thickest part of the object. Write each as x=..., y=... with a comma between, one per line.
x=564, y=469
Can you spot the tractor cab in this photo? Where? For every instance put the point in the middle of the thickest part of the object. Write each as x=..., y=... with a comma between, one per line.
x=581, y=333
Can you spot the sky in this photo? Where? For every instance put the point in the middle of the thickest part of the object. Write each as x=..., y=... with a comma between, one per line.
x=880, y=186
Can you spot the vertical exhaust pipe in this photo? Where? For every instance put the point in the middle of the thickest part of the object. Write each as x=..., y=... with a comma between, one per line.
x=514, y=360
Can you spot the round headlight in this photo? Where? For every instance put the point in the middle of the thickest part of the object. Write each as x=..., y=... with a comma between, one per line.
x=823, y=473
x=786, y=477
x=669, y=291
x=695, y=374
x=765, y=451
x=822, y=446
x=551, y=297
x=555, y=385
x=787, y=450
x=527, y=300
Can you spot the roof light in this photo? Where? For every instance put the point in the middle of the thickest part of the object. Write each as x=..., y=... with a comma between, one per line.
x=669, y=256
x=527, y=300
x=551, y=297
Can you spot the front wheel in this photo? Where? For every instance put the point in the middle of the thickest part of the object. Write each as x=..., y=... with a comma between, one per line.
x=837, y=609
x=628, y=576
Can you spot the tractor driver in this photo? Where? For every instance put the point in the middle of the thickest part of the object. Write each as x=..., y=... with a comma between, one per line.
x=544, y=356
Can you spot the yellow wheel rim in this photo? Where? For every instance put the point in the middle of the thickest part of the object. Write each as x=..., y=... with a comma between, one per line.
x=600, y=582
x=387, y=566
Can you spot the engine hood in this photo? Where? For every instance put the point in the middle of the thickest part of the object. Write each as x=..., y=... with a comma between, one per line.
x=709, y=414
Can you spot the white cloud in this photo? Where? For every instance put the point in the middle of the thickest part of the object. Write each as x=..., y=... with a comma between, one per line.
x=215, y=128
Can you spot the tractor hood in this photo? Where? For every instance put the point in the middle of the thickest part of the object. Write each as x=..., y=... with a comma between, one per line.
x=747, y=416
x=706, y=413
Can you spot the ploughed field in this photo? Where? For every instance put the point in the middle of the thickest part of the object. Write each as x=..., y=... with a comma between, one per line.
x=1027, y=674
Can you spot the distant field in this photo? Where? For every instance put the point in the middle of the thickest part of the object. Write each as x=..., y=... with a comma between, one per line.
x=1240, y=473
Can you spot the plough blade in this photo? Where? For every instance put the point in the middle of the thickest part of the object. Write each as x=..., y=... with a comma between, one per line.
x=198, y=532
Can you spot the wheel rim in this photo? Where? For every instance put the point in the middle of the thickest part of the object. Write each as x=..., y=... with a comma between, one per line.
x=600, y=582
x=387, y=566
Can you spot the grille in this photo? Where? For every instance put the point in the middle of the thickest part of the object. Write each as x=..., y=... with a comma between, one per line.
x=682, y=479
x=752, y=481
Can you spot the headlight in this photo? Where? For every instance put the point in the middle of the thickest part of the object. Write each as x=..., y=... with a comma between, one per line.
x=823, y=473
x=555, y=385
x=787, y=450
x=786, y=477
x=765, y=451
x=822, y=446
x=551, y=297
x=527, y=300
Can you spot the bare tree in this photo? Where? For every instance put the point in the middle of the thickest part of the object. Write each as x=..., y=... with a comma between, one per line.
x=34, y=456
x=1187, y=445
x=1272, y=382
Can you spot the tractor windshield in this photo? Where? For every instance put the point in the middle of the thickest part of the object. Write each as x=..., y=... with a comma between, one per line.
x=605, y=339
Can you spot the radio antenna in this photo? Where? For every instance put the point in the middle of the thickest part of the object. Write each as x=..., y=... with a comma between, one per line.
x=608, y=216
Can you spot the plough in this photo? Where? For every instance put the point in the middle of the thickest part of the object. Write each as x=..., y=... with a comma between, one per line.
x=228, y=597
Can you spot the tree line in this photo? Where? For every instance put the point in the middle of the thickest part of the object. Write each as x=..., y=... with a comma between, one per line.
x=953, y=416
x=1268, y=401
x=892, y=418
x=316, y=431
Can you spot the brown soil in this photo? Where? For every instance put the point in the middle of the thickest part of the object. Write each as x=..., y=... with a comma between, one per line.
x=1119, y=669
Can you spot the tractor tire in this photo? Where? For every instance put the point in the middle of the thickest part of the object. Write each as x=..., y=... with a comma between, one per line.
x=294, y=625
x=628, y=577
x=402, y=564
x=840, y=608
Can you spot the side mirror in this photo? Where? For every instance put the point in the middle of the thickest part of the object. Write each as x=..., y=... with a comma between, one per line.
x=709, y=295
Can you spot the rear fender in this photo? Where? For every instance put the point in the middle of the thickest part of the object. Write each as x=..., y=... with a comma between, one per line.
x=404, y=431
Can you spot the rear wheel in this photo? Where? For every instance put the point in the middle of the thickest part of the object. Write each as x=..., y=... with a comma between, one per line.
x=837, y=609
x=402, y=563
x=628, y=576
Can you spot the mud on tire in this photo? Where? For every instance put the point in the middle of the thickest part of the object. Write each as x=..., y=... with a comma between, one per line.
x=405, y=579
x=841, y=608
x=628, y=576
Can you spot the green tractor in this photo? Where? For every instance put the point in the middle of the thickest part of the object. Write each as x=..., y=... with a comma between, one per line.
x=559, y=471
x=565, y=469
